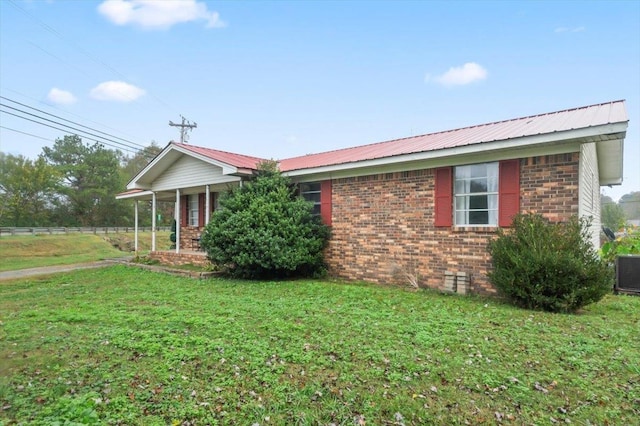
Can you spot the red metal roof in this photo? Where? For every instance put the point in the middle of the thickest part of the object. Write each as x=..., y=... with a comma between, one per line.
x=588, y=116
x=553, y=122
x=236, y=160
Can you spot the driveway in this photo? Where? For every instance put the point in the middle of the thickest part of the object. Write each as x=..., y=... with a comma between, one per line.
x=48, y=270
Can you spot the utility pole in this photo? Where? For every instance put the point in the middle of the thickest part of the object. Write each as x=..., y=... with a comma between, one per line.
x=184, y=127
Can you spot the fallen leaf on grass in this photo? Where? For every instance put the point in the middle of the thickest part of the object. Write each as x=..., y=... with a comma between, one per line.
x=539, y=387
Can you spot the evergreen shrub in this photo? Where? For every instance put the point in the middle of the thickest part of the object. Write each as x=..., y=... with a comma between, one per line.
x=264, y=229
x=548, y=266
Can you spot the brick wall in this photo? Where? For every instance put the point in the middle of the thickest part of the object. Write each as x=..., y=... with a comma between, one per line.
x=187, y=234
x=549, y=185
x=173, y=258
x=383, y=225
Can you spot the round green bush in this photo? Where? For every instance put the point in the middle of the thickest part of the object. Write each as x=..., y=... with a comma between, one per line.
x=263, y=229
x=548, y=266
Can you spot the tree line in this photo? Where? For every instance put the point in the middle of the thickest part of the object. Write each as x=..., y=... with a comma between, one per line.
x=615, y=216
x=73, y=184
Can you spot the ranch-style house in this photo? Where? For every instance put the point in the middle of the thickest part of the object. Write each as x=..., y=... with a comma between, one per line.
x=423, y=206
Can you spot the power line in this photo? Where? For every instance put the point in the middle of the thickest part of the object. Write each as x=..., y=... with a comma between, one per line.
x=129, y=149
x=65, y=125
x=72, y=122
x=66, y=112
x=79, y=49
x=28, y=134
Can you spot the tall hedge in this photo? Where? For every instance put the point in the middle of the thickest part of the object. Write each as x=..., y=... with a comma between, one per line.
x=263, y=229
x=548, y=266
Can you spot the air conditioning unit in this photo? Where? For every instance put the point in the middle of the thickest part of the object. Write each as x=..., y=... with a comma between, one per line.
x=628, y=274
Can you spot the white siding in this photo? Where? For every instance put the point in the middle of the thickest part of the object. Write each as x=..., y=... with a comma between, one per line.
x=188, y=172
x=589, y=189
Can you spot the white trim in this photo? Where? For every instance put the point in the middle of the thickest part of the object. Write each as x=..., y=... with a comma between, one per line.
x=177, y=215
x=207, y=204
x=452, y=159
x=136, y=194
x=154, y=202
x=543, y=144
x=172, y=150
x=135, y=226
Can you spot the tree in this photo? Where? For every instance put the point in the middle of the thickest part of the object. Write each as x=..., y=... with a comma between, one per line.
x=26, y=190
x=132, y=165
x=265, y=230
x=630, y=203
x=91, y=179
x=612, y=214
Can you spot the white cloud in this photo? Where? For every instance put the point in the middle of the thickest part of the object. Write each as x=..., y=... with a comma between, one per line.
x=158, y=14
x=116, y=91
x=458, y=76
x=60, y=97
x=569, y=30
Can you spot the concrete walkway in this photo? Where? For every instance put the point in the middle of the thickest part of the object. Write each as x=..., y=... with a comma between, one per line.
x=48, y=270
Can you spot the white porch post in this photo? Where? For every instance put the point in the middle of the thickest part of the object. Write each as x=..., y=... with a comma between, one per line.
x=207, y=205
x=135, y=227
x=177, y=221
x=153, y=221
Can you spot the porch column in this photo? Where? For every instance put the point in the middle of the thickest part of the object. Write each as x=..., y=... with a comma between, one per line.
x=177, y=221
x=207, y=205
x=135, y=227
x=153, y=221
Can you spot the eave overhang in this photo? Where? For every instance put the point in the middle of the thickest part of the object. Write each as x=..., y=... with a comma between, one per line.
x=608, y=138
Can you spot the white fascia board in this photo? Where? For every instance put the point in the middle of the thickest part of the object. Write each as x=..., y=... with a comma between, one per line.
x=544, y=144
x=134, y=183
x=140, y=194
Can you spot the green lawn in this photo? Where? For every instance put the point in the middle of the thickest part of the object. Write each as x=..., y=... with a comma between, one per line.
x=30, y=251
x=121, y=345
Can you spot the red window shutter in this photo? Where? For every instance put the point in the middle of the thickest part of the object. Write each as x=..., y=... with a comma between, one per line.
x=508, y=191
x=201, y=208
x=184, y=211
x=325, y=201
x=444, y=197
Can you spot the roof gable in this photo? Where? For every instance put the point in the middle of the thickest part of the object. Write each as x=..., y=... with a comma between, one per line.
x=231, y=164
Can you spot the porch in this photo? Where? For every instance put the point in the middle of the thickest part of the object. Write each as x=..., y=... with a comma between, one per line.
x=184, y=257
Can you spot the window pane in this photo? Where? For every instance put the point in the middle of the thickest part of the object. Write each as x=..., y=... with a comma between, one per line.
x=313, y=197
x=307, y=187
x=462, y=203
x=462, y=186
x=478, y=185
x=478, y=202
x=492, y=184
x=478, y=170
x=478, y=217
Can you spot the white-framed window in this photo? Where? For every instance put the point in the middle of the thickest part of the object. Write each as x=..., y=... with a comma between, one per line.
x=476, y=194
x=194, y=210
x=310, y=191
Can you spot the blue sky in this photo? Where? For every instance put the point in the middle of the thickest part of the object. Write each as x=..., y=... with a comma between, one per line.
x=280, y=79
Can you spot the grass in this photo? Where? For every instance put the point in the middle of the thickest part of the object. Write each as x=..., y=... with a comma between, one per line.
x=120, y=345
x=21, y=252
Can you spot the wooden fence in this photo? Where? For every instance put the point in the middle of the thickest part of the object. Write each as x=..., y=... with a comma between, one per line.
x=5, y=231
